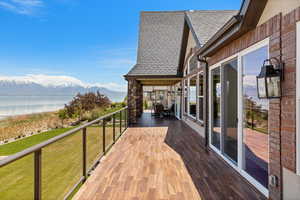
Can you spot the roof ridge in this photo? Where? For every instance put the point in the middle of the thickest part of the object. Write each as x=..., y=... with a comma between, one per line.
x=183, y=11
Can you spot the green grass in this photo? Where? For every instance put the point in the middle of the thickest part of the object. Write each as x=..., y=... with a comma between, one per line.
x=19, y=145
x=61, y=167
x=61, y=163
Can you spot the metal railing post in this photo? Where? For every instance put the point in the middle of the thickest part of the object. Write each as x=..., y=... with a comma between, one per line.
x=84, y=154
x=120, y=122
x=38, y=174
x=114, y=128
x=103, y=135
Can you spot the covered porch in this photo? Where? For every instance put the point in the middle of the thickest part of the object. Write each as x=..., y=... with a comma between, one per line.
x=164, y=159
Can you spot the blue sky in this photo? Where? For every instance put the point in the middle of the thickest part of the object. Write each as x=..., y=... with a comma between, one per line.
x=94, y=41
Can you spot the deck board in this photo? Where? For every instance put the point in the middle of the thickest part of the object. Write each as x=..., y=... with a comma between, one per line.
x=164, y=159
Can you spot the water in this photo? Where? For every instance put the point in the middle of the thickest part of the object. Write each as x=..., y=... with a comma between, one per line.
x=20, y=105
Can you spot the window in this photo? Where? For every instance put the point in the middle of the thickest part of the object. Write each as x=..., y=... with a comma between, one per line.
x=192, y=96
x=185, y=95
x=200, y=95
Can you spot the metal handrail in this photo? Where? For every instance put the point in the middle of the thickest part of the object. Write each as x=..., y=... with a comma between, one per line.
x=34, y=148
x=37, y=150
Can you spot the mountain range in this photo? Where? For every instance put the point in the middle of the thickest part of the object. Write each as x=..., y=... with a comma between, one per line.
x=44, y=85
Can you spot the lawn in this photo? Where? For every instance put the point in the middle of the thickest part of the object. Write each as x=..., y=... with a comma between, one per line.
x=14, y=147
x=61, y=163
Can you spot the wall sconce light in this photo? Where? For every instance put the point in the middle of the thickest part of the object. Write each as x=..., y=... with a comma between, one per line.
x=269, y=79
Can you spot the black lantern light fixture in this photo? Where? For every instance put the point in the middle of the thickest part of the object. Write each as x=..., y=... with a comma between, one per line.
x=269, y=79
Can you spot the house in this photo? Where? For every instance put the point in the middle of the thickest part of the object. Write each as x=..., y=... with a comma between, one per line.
x=212, y=60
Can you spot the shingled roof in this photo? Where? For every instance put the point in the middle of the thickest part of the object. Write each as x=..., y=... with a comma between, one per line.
x=205, y=23
x=161, y=37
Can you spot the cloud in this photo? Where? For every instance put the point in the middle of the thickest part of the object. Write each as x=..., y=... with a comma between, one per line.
x=23, y=7
x=61, y=81
x=113, y=86
x=249, y=80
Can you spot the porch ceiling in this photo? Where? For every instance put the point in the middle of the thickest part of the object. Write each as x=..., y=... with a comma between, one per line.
x=159, y=82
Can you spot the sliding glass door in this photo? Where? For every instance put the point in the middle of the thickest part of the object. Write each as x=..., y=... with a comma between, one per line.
x=238, y=119
x=255, y=119
x=230, y=110
x=216, y=107
x=224, y=109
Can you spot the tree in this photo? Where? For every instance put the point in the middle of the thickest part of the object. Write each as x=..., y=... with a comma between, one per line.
x=62, y=114
x=82, y=103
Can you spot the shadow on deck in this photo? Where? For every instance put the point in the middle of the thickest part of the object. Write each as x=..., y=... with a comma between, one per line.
x=164, y=159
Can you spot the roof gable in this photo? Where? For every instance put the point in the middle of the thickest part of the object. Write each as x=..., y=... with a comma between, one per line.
x=159, y=45
x=163, y=39
x=205, y=23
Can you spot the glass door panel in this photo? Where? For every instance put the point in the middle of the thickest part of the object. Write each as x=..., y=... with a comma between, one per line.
x=193, y=96
x=216, y=107
x=230, y=110
x=178, y=101
x=255, y=120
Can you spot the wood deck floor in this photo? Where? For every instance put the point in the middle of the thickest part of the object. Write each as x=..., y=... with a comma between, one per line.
x=164, y=159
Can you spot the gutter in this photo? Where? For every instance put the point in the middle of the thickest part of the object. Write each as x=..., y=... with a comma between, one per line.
x=234, y=20
x=237, y=19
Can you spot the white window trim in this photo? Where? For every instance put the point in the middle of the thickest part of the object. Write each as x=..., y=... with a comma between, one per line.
x=298, y=100
x=185, y=96
x=188, y=97
x=239, y=168
x=198, y=96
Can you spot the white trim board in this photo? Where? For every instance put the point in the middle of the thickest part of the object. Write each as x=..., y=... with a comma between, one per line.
x=298, y=99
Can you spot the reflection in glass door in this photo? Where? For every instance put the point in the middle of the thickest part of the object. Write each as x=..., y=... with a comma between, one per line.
x=178, y=101
x=216, y=107
x=230, y=110
x=224, y=109
x=255, y=119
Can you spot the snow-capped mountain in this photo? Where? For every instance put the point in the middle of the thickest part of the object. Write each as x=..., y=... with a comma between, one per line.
x=45, y=85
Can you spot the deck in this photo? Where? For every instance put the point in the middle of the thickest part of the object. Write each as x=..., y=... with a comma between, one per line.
x=163, y=159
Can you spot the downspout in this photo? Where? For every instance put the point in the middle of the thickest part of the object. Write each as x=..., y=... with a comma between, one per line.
x=203, y=60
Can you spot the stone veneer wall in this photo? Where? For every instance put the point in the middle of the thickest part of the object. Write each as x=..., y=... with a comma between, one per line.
x=135, y=100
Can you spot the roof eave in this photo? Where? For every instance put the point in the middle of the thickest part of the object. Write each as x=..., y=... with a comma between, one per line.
x=149, y=76
x=245, y=20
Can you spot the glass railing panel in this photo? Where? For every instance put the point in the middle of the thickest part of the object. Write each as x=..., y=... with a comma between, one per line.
x=108, y=132
x=61, y=166
x=17, y=179
x=123, y=120
x=94, y=146
x=117, y=124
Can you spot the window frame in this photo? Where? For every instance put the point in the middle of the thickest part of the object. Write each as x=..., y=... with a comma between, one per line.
x=185, y=96
x=188, y=97
x=199, y=96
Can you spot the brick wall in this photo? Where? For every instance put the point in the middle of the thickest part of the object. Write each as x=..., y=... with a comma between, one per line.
x=135, y=100
x=288, y=127
x=282, y=113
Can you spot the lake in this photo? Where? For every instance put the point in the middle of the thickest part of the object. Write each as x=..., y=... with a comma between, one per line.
x=19, y=105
